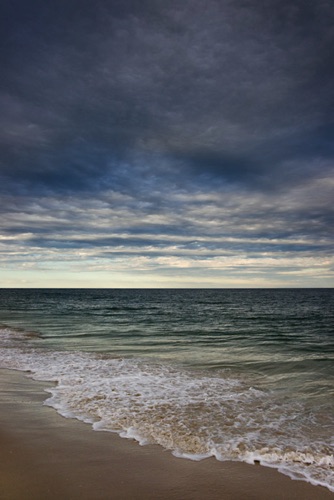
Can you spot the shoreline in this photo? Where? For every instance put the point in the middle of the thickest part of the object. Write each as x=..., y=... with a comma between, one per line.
x=44, y=455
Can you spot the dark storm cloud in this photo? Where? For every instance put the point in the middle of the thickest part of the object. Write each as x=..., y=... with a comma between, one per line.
x=225, y=89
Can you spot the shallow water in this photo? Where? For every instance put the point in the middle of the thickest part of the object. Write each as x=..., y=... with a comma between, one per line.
x=239, y=374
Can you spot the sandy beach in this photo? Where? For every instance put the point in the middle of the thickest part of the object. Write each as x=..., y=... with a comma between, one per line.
x=44, y=455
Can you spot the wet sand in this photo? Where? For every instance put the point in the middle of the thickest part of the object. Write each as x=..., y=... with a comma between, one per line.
x=43, y=455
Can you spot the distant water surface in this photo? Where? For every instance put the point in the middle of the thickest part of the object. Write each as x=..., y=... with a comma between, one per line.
x=239, y=374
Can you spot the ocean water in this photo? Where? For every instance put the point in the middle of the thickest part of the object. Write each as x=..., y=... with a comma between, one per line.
x=244, y=375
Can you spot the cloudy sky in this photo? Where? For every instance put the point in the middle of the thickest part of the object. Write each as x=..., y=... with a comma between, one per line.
x=166, y=143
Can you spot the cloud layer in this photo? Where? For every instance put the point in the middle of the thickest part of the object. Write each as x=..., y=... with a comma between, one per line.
x=191, y=140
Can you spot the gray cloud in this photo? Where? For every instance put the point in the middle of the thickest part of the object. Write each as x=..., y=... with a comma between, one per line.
x=192, y=130
x=222, y=87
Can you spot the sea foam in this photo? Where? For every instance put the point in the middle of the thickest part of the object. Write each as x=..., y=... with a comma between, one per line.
x=191, y=413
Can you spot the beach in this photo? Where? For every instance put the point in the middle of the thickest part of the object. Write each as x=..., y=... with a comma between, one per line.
x=44, y=455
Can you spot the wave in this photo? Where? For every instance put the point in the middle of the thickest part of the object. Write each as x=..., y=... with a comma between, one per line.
x=193, y=414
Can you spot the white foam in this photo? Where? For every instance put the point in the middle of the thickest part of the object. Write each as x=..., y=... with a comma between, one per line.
x=192, y=414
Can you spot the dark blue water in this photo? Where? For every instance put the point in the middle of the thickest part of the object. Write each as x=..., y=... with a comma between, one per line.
x=239, y=374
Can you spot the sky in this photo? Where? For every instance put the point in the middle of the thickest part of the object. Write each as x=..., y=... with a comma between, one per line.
x=165, y=143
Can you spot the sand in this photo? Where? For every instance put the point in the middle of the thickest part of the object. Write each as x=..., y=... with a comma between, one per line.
x=44, y=456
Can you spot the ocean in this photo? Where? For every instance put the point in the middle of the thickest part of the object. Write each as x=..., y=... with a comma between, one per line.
x=245, y=375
